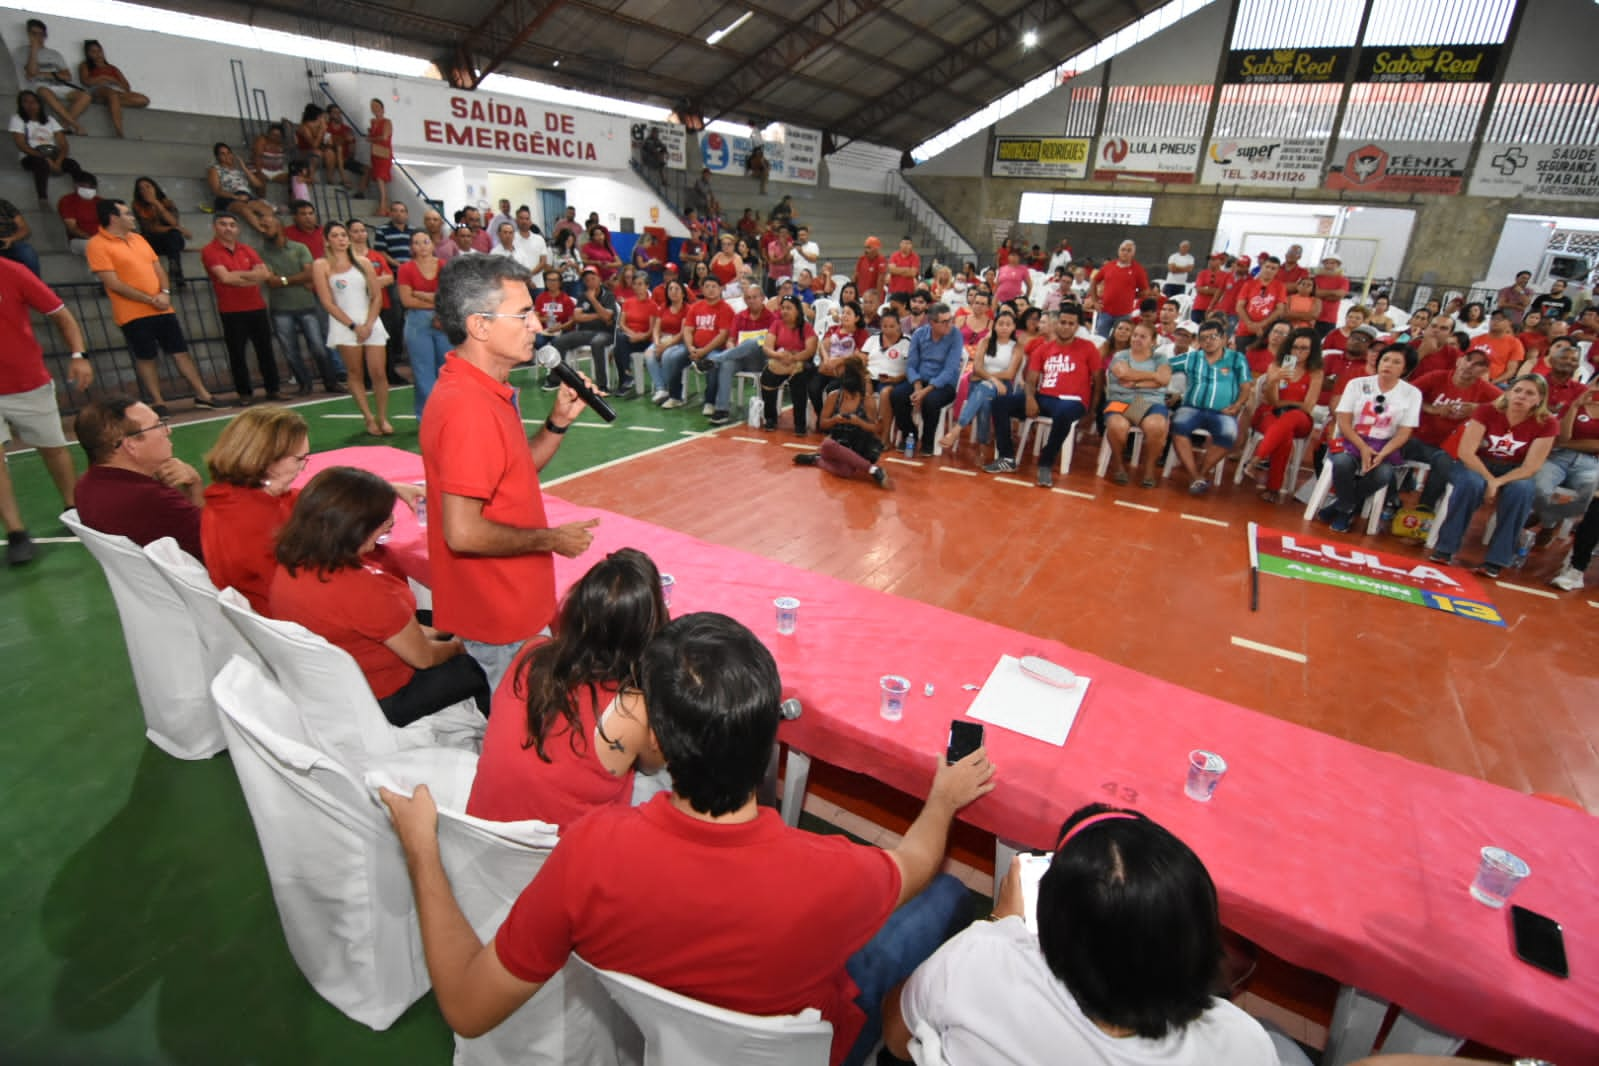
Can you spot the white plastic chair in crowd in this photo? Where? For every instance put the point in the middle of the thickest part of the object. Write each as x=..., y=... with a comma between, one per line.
x=1220, y=475
x=1371, y=509
x=1135, y=434
x=926, y=1046
x=163, y=647
x=338, y=713
x=337, y=873
x=753, y=377
x=1296, y=460
x=1042, y=427
x=188, y=578
x=679, y=1031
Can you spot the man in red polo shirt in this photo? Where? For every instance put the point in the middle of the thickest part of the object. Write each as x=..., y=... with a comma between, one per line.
x=1209, y=286
x=1448, y=398
x=1332, y=286
x=1118, y=287
x=306, y=229
x=491, y=546
x=871, y=267
x=1262, y=300
x=904, y=267
x=236, y=271
x=1291, y=268
x=80, y=212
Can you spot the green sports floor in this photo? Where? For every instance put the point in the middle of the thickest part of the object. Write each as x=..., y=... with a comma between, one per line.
x=136, y=919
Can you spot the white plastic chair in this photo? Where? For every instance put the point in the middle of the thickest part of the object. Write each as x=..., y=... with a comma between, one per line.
x=1043, y=425
x=338, y=712
x=164, y=647
x=679, y=1031
x=1135, y=434
x=337, y=873
x=1220, y=475
x=1371, y=509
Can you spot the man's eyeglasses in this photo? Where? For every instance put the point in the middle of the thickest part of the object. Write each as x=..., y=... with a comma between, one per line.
x=942, y=321
x=502, y=314
x=164, y=423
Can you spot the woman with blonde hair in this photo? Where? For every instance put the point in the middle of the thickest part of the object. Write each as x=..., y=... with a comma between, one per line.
x=252, y=465
x=350, y=294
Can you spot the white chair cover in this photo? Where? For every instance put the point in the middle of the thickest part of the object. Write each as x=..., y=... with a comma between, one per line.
x=679, y=1031
x=164, y=647
x=337, y=873
x=489, y=864
x=189, y=579
x=338, y=713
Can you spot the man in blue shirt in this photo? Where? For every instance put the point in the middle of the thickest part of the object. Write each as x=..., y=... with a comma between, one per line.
x=932, y=368
x=1219, y=385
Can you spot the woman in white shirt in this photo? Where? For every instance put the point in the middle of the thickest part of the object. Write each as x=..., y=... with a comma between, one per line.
x=1375, y=417
x=43, y=144
x=351, y=296
x=885, y=353
x=993, y=373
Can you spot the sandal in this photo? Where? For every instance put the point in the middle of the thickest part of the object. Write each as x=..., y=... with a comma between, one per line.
x=1148, y=483
x=1271, y=497
x=372, y=429
x=388, y=430
x=1120, y=477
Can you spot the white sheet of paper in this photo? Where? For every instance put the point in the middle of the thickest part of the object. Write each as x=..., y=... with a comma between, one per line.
x=1012, y=700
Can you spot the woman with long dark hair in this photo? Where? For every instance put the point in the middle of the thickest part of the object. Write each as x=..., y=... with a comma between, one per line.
x=568, y=727
x=349, y=292
x=324, y=584
x=107, y=84
x=1291, y=388
x=849, y=418
x=43, y=144
x=159, y=224
x=790, y=348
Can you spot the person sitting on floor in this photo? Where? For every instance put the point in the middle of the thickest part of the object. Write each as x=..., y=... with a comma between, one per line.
x=1501, y=451
x=568, y=726
x=702, y=891
x=849, y=418
x=134, y=486
x=1375, y=416
x=323, y=583
x=1119, y=973
x=1218, y=390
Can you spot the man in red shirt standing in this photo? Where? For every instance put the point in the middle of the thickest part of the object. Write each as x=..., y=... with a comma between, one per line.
x=765, y=919
x=491, y=546
x=236, y=272
x=1209, y=285
x=1262, y=300
x=1332, y=286
x=1292, y=270
x=1448, y=398
x=904, y=267
x=1118, y=287
x=28, y=396
x=870, y=267
x=1062, y=385
x=306, y=230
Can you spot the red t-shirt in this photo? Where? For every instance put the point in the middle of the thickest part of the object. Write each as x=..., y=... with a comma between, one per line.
x=554, y=307
x=1561, y=395
x=1229, y=293
x=1257, y=300
x=22, y=366
x=1120, y=286
x=1504, y=444
x=239, y=529
x=84, y=212
x=514, y=784
x=1259, y=358
x=869, y=272
x=1443, y=359
x=637, y=313
x=762, y=918
x=787, y=339
x=355, y=608
x=671, y=321
x=129, y=504
x=474, y=445
x=312, y=239
x=411, y=274
x=232, y=298
x=1210, y=279
x=1439, y=386
x=706, y=320
x=744, y=322
x=380, y=269
x=1329, y=307
x=1585, y=426
x=1064, y=369
x=902, y=282
x=1290, y=274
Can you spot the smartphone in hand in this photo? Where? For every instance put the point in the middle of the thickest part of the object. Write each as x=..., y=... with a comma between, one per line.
x=964, y=738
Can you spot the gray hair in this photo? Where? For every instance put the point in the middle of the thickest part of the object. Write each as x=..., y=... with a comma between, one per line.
x=940, y=308
x=471, y=284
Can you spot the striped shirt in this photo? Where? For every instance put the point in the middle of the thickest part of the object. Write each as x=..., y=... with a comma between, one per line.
x=1212, y=386
x=396, y=242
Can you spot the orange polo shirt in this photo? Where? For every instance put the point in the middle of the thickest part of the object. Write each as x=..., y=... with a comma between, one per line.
x=135, y=264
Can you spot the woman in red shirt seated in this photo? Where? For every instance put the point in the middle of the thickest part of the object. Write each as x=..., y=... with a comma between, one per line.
x=1289, y=393
x=252, y=465
x=326, y=583
x=725, y=264
x=597, y=253
x=635, y=328
x=568, y=727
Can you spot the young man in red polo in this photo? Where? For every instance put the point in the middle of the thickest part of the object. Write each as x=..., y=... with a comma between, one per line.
x=904, y=267
x=492, y=549
x=236, y=271
x=1118, y=287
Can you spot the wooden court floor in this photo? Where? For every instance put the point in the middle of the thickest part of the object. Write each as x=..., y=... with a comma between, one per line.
x=1158, y=580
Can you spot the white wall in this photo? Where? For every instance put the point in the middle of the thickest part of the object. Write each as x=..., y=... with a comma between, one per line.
x=1185, y=53
x=615, y=200
x=1545, y=42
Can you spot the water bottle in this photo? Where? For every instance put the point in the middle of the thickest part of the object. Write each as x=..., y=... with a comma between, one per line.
x=910, y=445
x=1523, y=548
x=421, y=509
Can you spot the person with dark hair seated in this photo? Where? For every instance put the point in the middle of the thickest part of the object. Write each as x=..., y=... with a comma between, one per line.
x=568, y=727
x=702, y=891
x=1121, y=970
x=324, y=584
x=134, y=486
x=1375, y=416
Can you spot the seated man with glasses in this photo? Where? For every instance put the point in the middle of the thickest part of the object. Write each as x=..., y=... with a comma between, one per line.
x=134, y=487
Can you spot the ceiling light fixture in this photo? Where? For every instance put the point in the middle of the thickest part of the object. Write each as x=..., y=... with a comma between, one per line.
x=1030, y=38
x=716, y=37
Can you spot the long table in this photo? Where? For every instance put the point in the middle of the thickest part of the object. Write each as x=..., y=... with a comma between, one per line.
x=1336, y=857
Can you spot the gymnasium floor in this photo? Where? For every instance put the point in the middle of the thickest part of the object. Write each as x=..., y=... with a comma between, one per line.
x=133, y=903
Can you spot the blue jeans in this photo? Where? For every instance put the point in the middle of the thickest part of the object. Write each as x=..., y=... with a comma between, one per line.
x=906, y=940
x=22, y=252
x=673, y=362
x=1104, y=323
x=933, y=403
x=1511, y=509
x=1222, y=429
x=722, y=365
x=426, y=348
x=1063, y=413
x=655, y=367
x=290, y=326
x=1352, y=488
x=980, y=397
x=1577, y=471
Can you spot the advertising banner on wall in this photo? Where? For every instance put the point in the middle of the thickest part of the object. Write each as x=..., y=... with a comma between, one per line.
x=802, y=156
x=1398, y=166
x=1537, y=171
x=1265, y=162
x=671, y=134
x=1149, y=159
x=1287, y=66
x=793, y=153
x=1432, y=63
x=1041, y=157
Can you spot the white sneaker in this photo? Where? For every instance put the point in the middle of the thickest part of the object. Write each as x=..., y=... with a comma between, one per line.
x=708, y=410
x=671, y=405
x=1570, y=579
x=659, y=397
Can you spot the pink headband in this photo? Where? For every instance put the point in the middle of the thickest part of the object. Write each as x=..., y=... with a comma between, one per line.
x=1103, y=816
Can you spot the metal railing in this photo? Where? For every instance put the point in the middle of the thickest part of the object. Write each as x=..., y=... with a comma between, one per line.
x=399, y=168
x=938, y=231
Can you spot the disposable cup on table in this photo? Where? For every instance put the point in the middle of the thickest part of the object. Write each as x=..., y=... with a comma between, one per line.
x=787, y=615
x=1498, y=874
x=894, y=689
x=668, y=583
x=1205, y=770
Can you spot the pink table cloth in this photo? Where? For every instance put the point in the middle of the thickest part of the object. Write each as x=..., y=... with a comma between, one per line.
x=1342, y=859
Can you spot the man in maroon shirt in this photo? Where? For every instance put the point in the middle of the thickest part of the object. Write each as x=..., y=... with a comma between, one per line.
x=1332, y=285
x=1209, y=286
x=1292, y=270
x=134, y=487
x=80, y=212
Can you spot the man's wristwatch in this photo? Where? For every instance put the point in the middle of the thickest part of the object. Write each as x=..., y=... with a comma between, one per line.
x=283, y=282
x=77, y=355
x=549, y=424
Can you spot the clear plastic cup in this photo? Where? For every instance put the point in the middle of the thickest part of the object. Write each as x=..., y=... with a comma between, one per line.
x=1205, y=770
x=1498, y=874
x=787, y=615
x=668, y=583
x=895, y=689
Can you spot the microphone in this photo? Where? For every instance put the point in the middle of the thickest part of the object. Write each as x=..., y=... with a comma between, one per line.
x=551, y=360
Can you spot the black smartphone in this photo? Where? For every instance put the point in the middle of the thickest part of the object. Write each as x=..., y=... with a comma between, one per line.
x=964, y=738
x=1538, y=940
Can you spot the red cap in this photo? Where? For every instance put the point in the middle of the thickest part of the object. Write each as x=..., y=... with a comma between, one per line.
x=1218, y=255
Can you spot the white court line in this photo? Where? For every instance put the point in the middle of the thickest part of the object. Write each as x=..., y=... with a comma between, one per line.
x=901, y=462
x=689, y=433
x=1203, y=519
x=797, y=446
x=1074, y=492
x=580, y=424
x=1527, y=590
x=1013, y=481
x=1592, y=603
x=56, y=540
x=618, y=462
x=357, y=415
x=751, y=440
x=647, y=429
x=1136, y=506
x=1267, y=649
x=958, y=470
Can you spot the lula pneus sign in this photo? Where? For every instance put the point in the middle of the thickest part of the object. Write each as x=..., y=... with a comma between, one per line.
x=1287, y=66
x=1458, y=63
